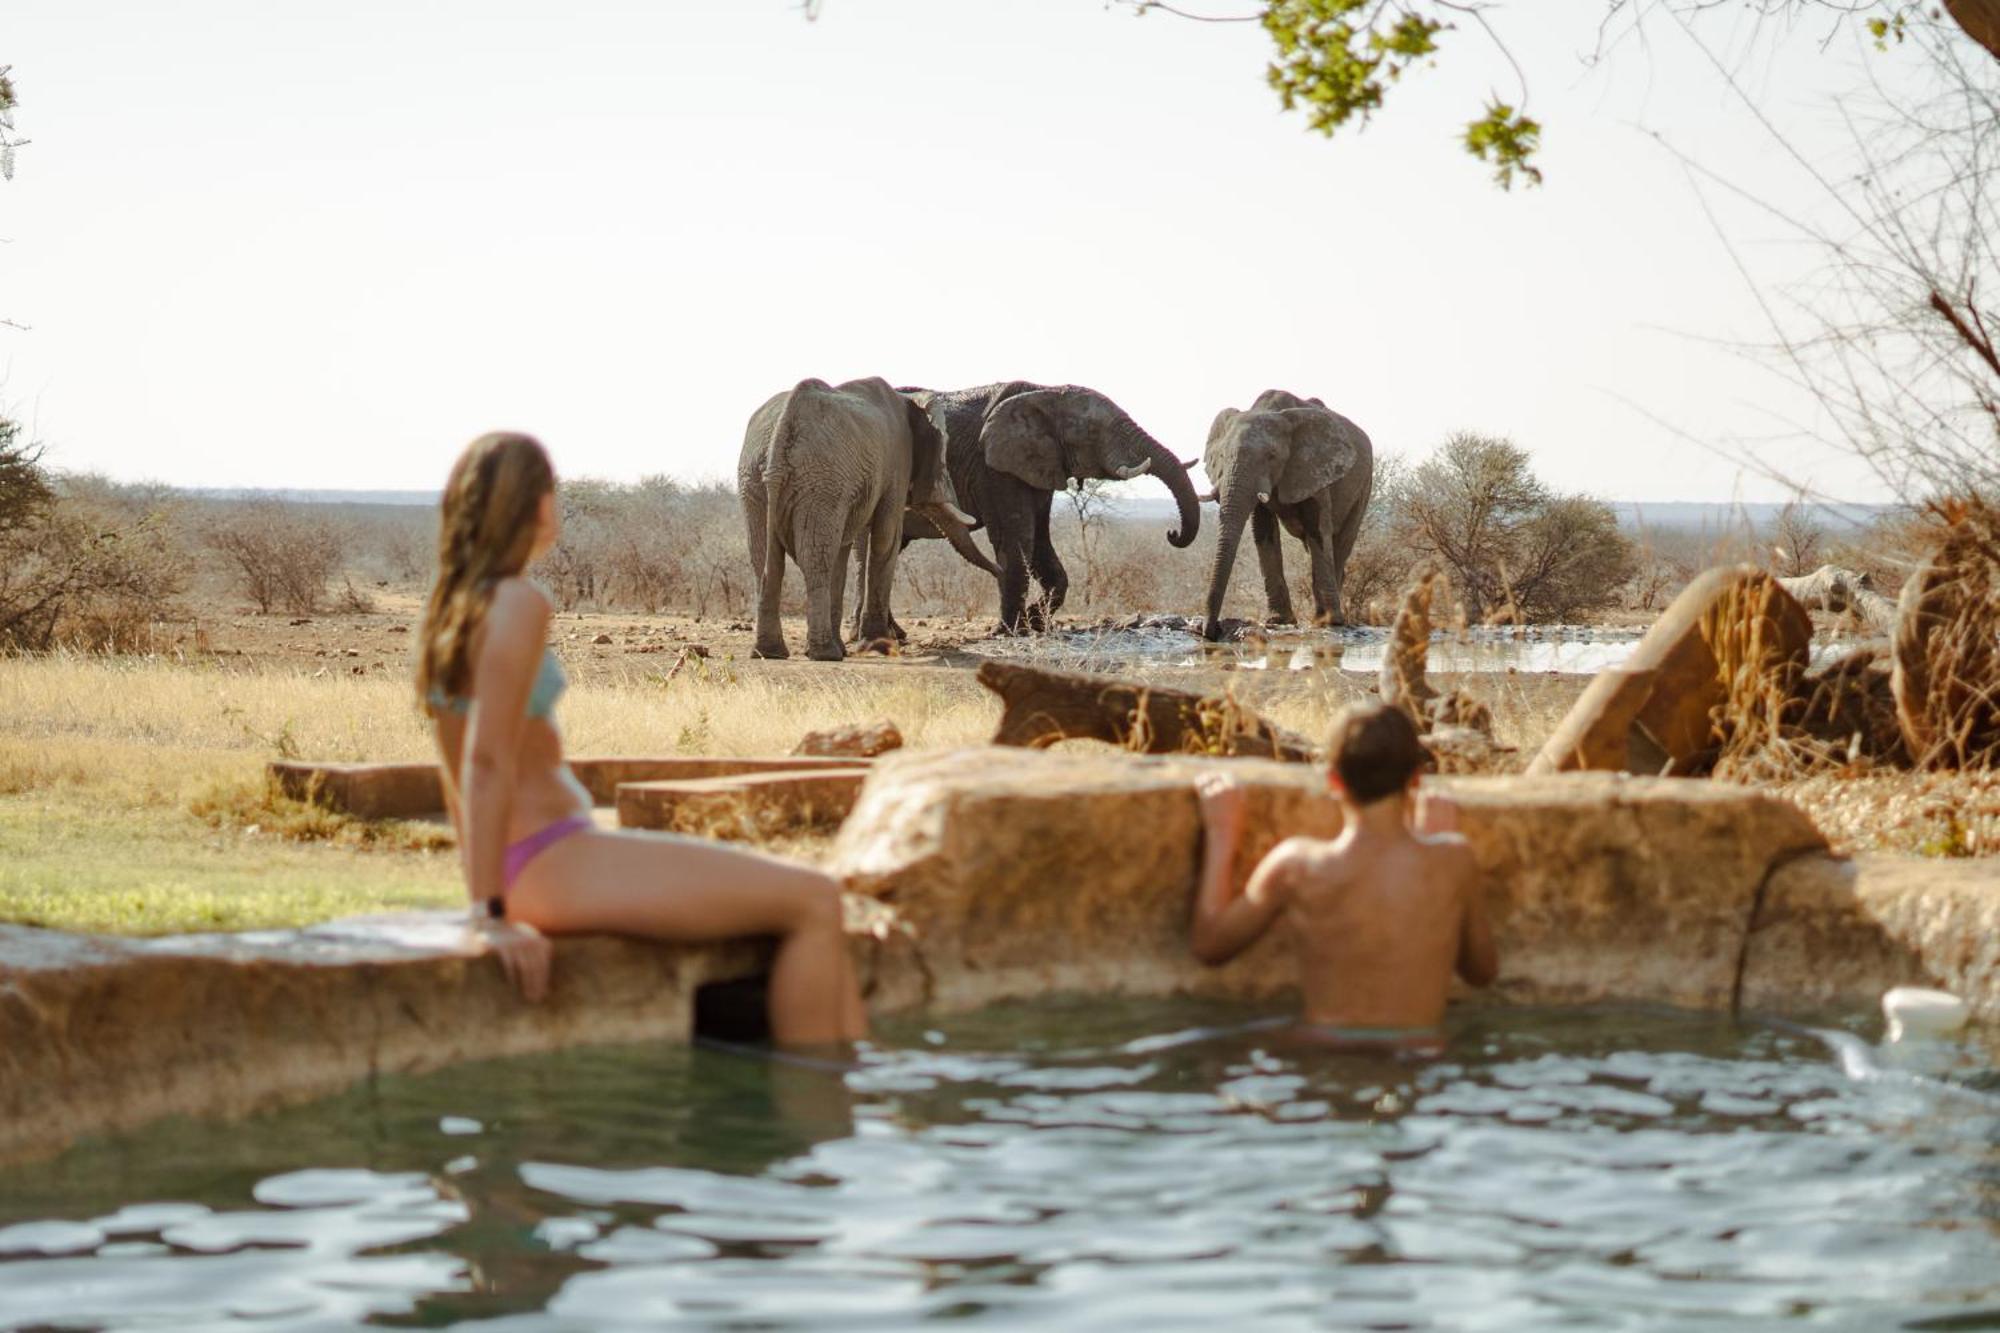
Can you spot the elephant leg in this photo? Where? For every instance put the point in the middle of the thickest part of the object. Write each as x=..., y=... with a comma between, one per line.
x=768, y=556
x=885, y=542
x=1048, y=570
x=1326, y=582
x=1346, y=531
x=840, y=586
x=860, y=600
x=822, y=558
x=1010, y=522
x=1271, y=560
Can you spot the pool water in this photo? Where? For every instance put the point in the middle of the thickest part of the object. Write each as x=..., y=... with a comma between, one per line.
x=1065, y=1165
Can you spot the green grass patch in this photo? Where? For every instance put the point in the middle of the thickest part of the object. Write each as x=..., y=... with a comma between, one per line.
x=69, y=860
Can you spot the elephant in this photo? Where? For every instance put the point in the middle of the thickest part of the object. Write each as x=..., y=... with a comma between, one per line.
x=825, y=467
x=1293, y=462
x=1010, y=447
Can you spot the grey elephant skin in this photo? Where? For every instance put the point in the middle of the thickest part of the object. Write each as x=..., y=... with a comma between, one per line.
x=1010, y=447
x=1290, y=463
x=826, y=468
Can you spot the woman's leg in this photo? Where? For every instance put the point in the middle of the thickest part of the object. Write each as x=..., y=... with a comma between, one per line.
x=673, y=888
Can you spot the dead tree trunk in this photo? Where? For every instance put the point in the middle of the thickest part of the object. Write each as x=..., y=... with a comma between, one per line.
x=1843, y=592
x=1043, y=707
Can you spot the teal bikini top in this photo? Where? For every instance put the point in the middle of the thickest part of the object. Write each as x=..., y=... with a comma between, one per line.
x=549, y=686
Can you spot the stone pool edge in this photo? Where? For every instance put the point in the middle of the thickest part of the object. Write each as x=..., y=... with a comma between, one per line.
x=101, y=1034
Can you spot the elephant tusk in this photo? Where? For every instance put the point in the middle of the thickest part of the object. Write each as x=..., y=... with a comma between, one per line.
x=1206, y=497
x=1263, y=497
x=958, y=515
x=1138, y=469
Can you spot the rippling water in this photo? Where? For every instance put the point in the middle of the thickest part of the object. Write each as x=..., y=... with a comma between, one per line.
x=1064, y=1165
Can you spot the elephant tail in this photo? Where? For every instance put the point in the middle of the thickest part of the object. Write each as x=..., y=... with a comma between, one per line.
x=777, y=476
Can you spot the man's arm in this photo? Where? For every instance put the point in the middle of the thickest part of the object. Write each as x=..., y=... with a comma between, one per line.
x=1225, y=924
x=1478, y=959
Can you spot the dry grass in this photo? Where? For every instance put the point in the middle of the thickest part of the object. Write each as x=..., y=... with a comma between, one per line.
x=133, y=795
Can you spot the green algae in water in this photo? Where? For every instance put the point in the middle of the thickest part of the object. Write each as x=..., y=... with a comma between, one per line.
x=1064, y=1164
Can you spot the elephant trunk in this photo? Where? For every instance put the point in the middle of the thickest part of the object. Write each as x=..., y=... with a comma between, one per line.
x=1235, y=513
x=1170, y=470
x=945, y=519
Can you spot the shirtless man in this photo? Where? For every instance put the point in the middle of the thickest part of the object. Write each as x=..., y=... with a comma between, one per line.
x=1383, y=913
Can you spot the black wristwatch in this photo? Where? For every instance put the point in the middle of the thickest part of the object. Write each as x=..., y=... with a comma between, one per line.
x=494, y=909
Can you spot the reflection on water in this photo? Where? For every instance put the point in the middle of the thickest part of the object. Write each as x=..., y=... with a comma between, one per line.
x=1579, y=650
x=1060, y=1165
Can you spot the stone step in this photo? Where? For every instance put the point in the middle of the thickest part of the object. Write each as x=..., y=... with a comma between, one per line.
x=746, y=807
x=415, y=790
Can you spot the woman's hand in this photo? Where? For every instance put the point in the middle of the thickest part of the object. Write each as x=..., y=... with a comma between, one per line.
x=524, y=955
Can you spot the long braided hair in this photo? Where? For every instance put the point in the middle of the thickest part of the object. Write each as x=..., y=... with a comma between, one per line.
x=486, y=532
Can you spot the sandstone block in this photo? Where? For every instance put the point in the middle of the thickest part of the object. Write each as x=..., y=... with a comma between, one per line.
x=413, y=791
x=748, y=806
x=1022, y=872
x=1837, y=933
x=860, y=741
x=603, y=777
x=366, y=791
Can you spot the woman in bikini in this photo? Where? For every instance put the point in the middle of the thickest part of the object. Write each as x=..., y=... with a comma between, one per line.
x=534, y=862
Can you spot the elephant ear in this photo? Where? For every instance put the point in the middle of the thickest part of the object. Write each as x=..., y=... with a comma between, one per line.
x=926, y=451
x=1325, y=448
x=1019, y=437
x=1218, y=456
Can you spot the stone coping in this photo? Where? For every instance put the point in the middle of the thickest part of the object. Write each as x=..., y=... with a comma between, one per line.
x=415, y=790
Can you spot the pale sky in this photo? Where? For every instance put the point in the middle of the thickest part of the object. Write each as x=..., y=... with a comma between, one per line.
x=263, y=243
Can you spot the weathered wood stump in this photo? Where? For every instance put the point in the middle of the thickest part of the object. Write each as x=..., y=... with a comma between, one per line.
x=1042, y=707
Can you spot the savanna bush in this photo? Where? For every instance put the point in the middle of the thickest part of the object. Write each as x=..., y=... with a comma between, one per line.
x=280, y=555
x=84, y=564
x=1515, y=549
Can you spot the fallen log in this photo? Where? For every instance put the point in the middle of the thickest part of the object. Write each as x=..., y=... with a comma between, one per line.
x=1042, y=707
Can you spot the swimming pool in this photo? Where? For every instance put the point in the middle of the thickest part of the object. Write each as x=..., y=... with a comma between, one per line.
x=1068, y=1164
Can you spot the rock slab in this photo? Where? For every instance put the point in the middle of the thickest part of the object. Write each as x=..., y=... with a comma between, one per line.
x=416, y=790
x=747, y=807
x=1022, y=872
x=1834, y=934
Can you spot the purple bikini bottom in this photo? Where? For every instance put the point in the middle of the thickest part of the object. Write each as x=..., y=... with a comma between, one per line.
x=532, y=846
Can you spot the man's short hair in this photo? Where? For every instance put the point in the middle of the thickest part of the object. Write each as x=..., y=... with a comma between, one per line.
x=1374, y=750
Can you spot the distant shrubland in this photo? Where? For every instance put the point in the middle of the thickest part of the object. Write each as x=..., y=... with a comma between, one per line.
x=95, y=565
